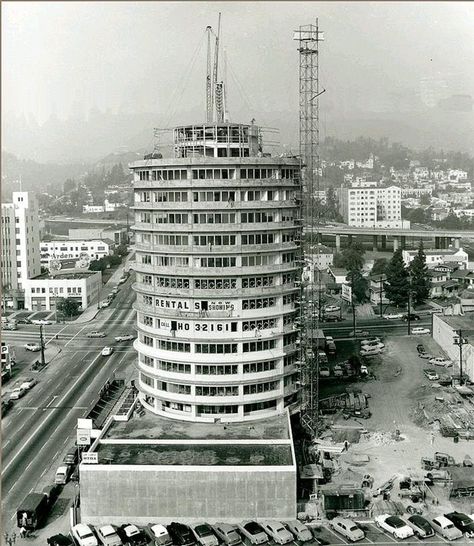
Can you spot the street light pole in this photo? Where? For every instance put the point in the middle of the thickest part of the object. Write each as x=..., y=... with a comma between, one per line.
x=460, y=341
x=381, y=288
x=42, y=346
x=409, y=305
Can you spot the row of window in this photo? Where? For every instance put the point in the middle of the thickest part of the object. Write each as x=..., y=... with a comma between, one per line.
x=262, y=345
x=148, y=217
x=218, y=410
x=213, y=174
x=258, y=303
x=257, y=260
x=60, y=290
x=169, y=174
x=211, y=348
x=257, y=388
x=213, y=196
x=212, y=240
x=263, y=324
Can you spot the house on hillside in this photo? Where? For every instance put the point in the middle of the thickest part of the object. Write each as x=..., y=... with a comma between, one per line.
x=436, y=256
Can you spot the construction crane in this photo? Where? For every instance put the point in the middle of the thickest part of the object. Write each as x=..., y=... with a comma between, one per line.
x=308, y=37
x=216, y=107
x=209, y=77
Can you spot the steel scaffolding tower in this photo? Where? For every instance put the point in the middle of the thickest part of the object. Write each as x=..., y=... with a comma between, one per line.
x=308, y=37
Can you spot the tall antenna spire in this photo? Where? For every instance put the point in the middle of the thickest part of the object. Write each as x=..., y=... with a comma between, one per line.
x=216, y=65
x=209, y=77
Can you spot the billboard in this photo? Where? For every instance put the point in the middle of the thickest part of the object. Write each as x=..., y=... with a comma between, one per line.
x=346, y=293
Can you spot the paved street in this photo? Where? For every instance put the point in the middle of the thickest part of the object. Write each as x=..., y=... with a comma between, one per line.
x=42, y=423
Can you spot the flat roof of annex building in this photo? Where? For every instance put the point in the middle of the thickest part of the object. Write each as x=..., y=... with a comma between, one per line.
x=457, y=322
x=66, y=275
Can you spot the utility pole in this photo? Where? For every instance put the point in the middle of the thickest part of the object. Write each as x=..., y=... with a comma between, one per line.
x=409, y=306
x=460, y=341
x=43, y=362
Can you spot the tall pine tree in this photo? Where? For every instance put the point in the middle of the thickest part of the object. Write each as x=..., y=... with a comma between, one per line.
x=396, y=288
x=420, y=280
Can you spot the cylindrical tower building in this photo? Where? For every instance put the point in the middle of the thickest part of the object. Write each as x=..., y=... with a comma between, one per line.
x=217, y=231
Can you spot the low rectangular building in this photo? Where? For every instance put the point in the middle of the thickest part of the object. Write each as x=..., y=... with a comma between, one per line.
x=42, y=292
x=75, y=249
x=154, y=469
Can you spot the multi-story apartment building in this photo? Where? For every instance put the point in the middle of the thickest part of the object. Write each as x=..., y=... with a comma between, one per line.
x=67, y=250
x=20, y=246
x=372, y=207
x=217, y=234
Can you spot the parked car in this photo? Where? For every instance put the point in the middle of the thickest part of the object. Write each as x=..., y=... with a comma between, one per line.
x=29, y=383
x=9, y=326
x=420, y=348
x=205, y=535
x=159, y=534
x=181, y=534
x=370, y=351
x=377, y=345
x=332, y=308
x=348, y=529
x=412, y=317
x=462, y=522
x=41, y=322
x=33, y=347
x=364, y=370
x=371, y=341
x=277, y=532
x=324, y=371
x=445, y=528
x=25, y=320
x=332, y=318
x=107, y=351
x=421, y=526
x=115, y=290
x=440, y=361
x=105, y=303
x=394, y=525
x=419, y=331
x=83, y=535
x=253, y=531
x=132, y=535
x=108, y=536
x=95, y=333
x=338, y=371
x=71, y=456
x=299, y=530
x=393, y=316
x=6, y=406
x=426, y=356
x=431, y=375
x=17, y=393
x=227, y=533
x=124, y=337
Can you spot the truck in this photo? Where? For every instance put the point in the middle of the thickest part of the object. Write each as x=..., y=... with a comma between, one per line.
x=32, y=511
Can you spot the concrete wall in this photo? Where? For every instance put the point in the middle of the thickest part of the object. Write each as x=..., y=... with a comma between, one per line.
x=140, y=494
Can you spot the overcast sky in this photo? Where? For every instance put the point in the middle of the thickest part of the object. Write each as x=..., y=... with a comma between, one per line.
x=67, y=57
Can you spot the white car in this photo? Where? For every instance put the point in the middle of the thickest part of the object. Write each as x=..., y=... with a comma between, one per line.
x=41, y=322
x=160, y=535
x=107, y=351
x=227, y=533
x=371, y=341
x=108, y=536
x=440, y=361
x=125, y=337
x=83, y=535
x=104, y=304
x=348, y=529
x=205, y=535
x=17, y=393
x=332, y=308
x=253, y=531
x=277, y=531
x=299, y=530
x=419, y=331
x=431, y=375
x=394, y=525
x=393, y=316
x=370, y=351
x=364, y=370
x=95, y=333
x=33, y=347
x=375, y=344
x=29, y=383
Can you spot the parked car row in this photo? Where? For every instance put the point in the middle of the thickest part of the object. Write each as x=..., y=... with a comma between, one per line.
x=20, y=390
x=370, y=347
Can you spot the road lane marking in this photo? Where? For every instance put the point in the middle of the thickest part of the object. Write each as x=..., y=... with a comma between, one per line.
x=74, y=337
x=6, y=443
x=28, y=440
x=56, y=334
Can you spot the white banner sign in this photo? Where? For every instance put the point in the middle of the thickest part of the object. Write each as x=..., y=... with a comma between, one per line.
x=83, y=436
x=346, y=293
x=90, y=458
x=84, y=423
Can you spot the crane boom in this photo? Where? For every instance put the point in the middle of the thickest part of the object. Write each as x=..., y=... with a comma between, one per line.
x=216, y=68
x=209, y=78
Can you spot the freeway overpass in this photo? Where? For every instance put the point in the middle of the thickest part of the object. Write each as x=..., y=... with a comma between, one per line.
x=441, y=238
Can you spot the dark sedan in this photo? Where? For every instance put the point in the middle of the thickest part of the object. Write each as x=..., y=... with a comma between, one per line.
x=463, y=522
x=181, y=534
x=421, y=526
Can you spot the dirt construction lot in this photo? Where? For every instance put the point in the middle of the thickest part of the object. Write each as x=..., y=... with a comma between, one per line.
x=397, y=397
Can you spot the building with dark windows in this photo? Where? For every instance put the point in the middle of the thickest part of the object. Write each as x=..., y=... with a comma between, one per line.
x=217, y=230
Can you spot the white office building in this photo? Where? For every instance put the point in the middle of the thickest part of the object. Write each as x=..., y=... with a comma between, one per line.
x=217, y=236
x=20, y=246
x=372, y=207
x=75, y=250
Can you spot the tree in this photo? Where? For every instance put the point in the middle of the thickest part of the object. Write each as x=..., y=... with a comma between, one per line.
x=121, y=250
x=358, y=284
x=355, y=363
x=338, y=260
x=420, y=280
x=425, y=199
x=379, y=267
x=68, y=307
x=98, y=265
x=354, y=256
x=396, y=288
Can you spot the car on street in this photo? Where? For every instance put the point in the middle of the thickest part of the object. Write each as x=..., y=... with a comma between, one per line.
x=9, y=326
x=338, y=371
x=332, y=318
x=277, y=531
x=446, y=528
x=324, y=371
x=83, y=535
x=371, y=345
x=419, y=331
x=420, y=348
x=115, y=290
x=33, y=347
x=105, y=303
x=205, y=535
x=421, y=526
x=392, y=316
x=332, y=308
x=299, y=530
x=370, y=341
x=124, y=337
x=394, y=525
x=440, y=361
x=107, y=351
x=123, y=279
x=426, y=356
x=6, y=406
x=431, y=375
x=96, y=333
x=370, y=351
x=108, y=536
x=132, y=535
x=462, y=522
x=253, y=531
x=41, y=322
x=25, y=320
x=181, y=534
x=71, y=456
x=17, y=393
x=347, y=528
x=29, y=383
x=364, y=370
x=160, y=534
x=412, y=317
x=227, y=533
